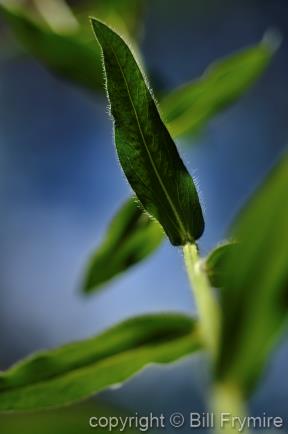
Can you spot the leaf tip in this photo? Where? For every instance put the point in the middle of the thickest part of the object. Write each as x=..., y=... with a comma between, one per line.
x=87, y=284
x=99, y=27
x=272, y=39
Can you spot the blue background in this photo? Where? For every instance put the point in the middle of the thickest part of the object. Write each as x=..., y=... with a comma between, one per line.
x=60, y=184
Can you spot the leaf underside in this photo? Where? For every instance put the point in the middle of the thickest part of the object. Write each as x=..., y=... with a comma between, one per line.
x=188, y=108
x=71, y=420
x=185, y=109
x=146, y=150
x=131, y=236
x=255, y=281
x=215, y=263
x=69, y=56
x=76, y=371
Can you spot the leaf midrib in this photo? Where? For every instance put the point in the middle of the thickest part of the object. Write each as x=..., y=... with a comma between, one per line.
x=182, y=228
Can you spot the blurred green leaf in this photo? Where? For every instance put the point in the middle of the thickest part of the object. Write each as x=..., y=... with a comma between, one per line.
x=146, y=151
x=223, y=83
x=75, y=57
x=255, y=295
x=188, y=108
x=67, y=55
x=72, y=55
x=76, y=371
x=125, y=16
x=131, y=236
x=71, y=420
x=215, y=263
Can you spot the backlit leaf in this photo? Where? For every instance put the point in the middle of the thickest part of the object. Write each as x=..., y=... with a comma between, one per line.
x=124, y=15
x=76, y=371
x=186, y=109
x=189, y=107
x=255, y=295
x=215, y=263
x=146, y=150
x=73, y=54
x=131, y=236
x=66, y=55
x=70, y=420
x=240, y=71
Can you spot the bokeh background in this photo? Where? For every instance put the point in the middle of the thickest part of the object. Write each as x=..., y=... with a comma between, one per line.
x=60, y=184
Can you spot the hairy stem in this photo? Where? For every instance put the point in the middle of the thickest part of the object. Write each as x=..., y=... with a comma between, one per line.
x=209, y=312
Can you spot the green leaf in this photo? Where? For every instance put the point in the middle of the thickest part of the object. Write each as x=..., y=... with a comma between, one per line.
x=146, y=151
x=76, y=371
x=125, y=15
x=131, y=236
x=241, y=71
x=66, y=55
x=72, y=55
x=215, y=263
x=71, y=420
x=75, y=58
x=255, y=295
x=189, y=107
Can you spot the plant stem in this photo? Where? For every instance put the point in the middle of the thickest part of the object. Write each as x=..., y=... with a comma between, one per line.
x=209, y=312
x=227, y=400
x=227, y=403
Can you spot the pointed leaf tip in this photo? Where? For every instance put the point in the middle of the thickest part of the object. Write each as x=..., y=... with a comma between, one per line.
x=146, y=151
x=131, y=237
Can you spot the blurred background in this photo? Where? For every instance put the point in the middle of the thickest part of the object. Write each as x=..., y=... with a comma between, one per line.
x=60, y=184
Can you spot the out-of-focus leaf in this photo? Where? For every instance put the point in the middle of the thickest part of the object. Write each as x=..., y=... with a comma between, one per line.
x=123, y=15
x=215, y=263
x=71, y=420
x=146, y=150
x=73, y=55
x=67, y=55
x=255, y=295
x=57, y=14
x=223, y=83
x=234, y=75
x=188, y=108
x=75, y=58
x=76, y=371
x=131, y=236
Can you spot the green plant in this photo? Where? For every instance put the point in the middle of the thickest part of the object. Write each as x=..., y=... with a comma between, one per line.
x=239, y=323
x=63, y=420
